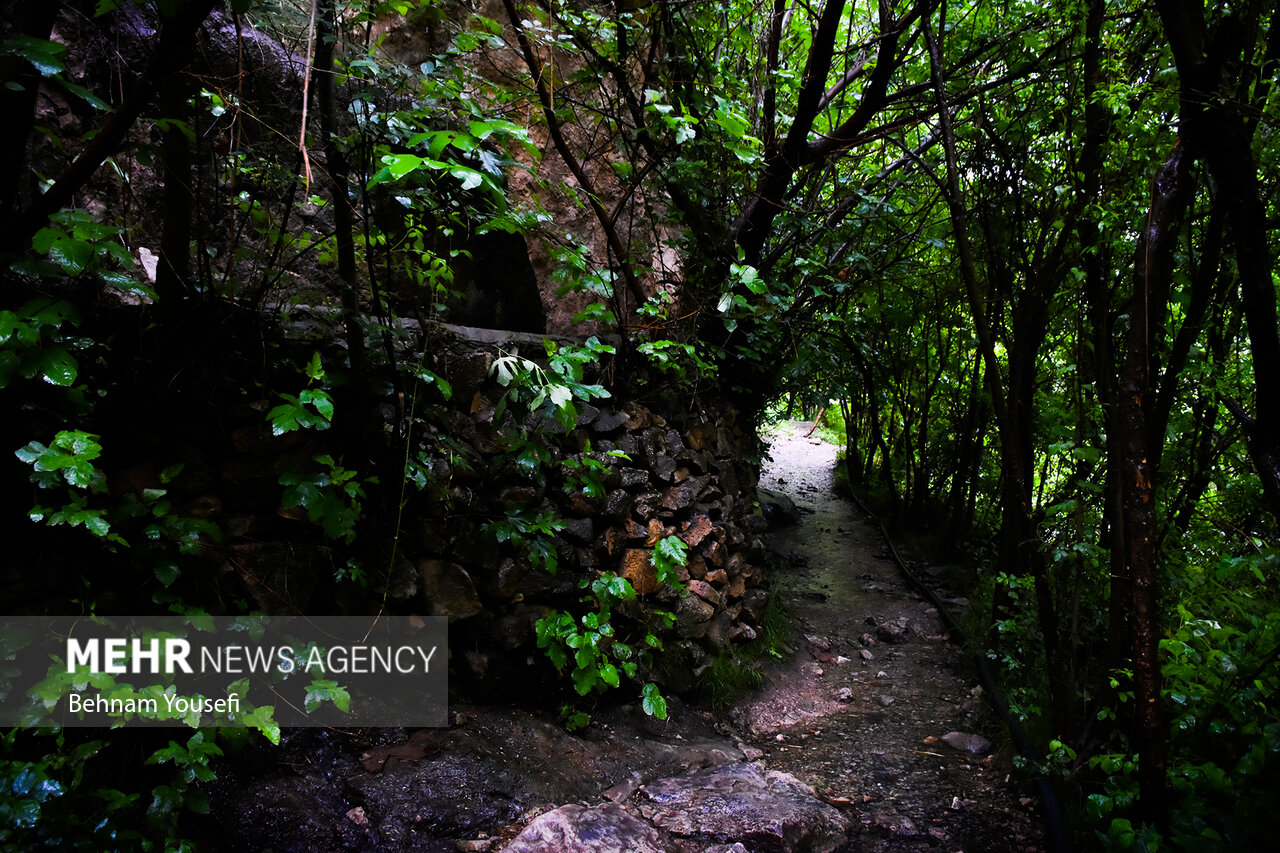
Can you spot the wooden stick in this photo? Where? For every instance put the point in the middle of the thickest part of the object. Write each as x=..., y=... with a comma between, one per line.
x=816, y=421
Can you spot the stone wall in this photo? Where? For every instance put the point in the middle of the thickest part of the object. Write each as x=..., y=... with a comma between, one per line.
x=682, y=476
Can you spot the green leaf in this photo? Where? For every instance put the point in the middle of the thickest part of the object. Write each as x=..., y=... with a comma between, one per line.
x=315, y=368
x=83, y=94
x=446, y=390
x=71, y=254
x=165, y=799
x=167, y=573
x=58, y=367
x=320, y=401
x=47, y=56
x=730, y=119
x=1091, y=455
x=400, y=165
x=470, y=177
x=326, y=690
x=584, y=679
x=575, y=721
x=127, y=283
x=70, y=457
x=261, y=718
x=165, y=125
x=653, y=702
x=197, y=618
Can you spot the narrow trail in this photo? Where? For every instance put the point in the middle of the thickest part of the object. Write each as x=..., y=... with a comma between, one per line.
x=873, y=709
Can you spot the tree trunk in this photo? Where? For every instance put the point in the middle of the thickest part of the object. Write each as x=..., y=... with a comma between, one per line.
x=1153, y=267
x=173, y=272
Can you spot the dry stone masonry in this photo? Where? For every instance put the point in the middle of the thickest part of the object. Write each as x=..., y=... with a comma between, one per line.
x=662, y=475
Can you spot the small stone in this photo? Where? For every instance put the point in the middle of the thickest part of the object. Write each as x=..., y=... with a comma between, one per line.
x=357, y=816
x=905, y=827
x=692, y=616
x=517, y=497
x=841, y=659
x=580, y=529
x=885, y=699
x=656, y=532
x=664, y=467
x=865, y=654
x=700, y=436
x=698, y=530
x=893, y=632
x=624, y=789
x=696, y=566
x=973, y=744
x=845, y=694
x=705, y=591
x=449, y=589
x=637, y=568
x=609, y=420
x=682, y=495
x=633, y=478
x=618, y=505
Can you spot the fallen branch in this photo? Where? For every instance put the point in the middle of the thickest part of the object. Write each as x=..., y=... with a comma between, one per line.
x=816, y=421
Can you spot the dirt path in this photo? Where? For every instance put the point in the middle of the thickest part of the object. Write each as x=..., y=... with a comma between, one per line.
x=871, y=709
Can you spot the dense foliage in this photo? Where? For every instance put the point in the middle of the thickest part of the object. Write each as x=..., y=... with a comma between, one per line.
x=1026, y=248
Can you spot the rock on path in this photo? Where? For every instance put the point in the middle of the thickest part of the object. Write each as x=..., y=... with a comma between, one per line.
x=730, y=807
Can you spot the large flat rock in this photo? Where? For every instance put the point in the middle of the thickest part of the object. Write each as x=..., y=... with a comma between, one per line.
x=606, y=828
x=765, y=810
